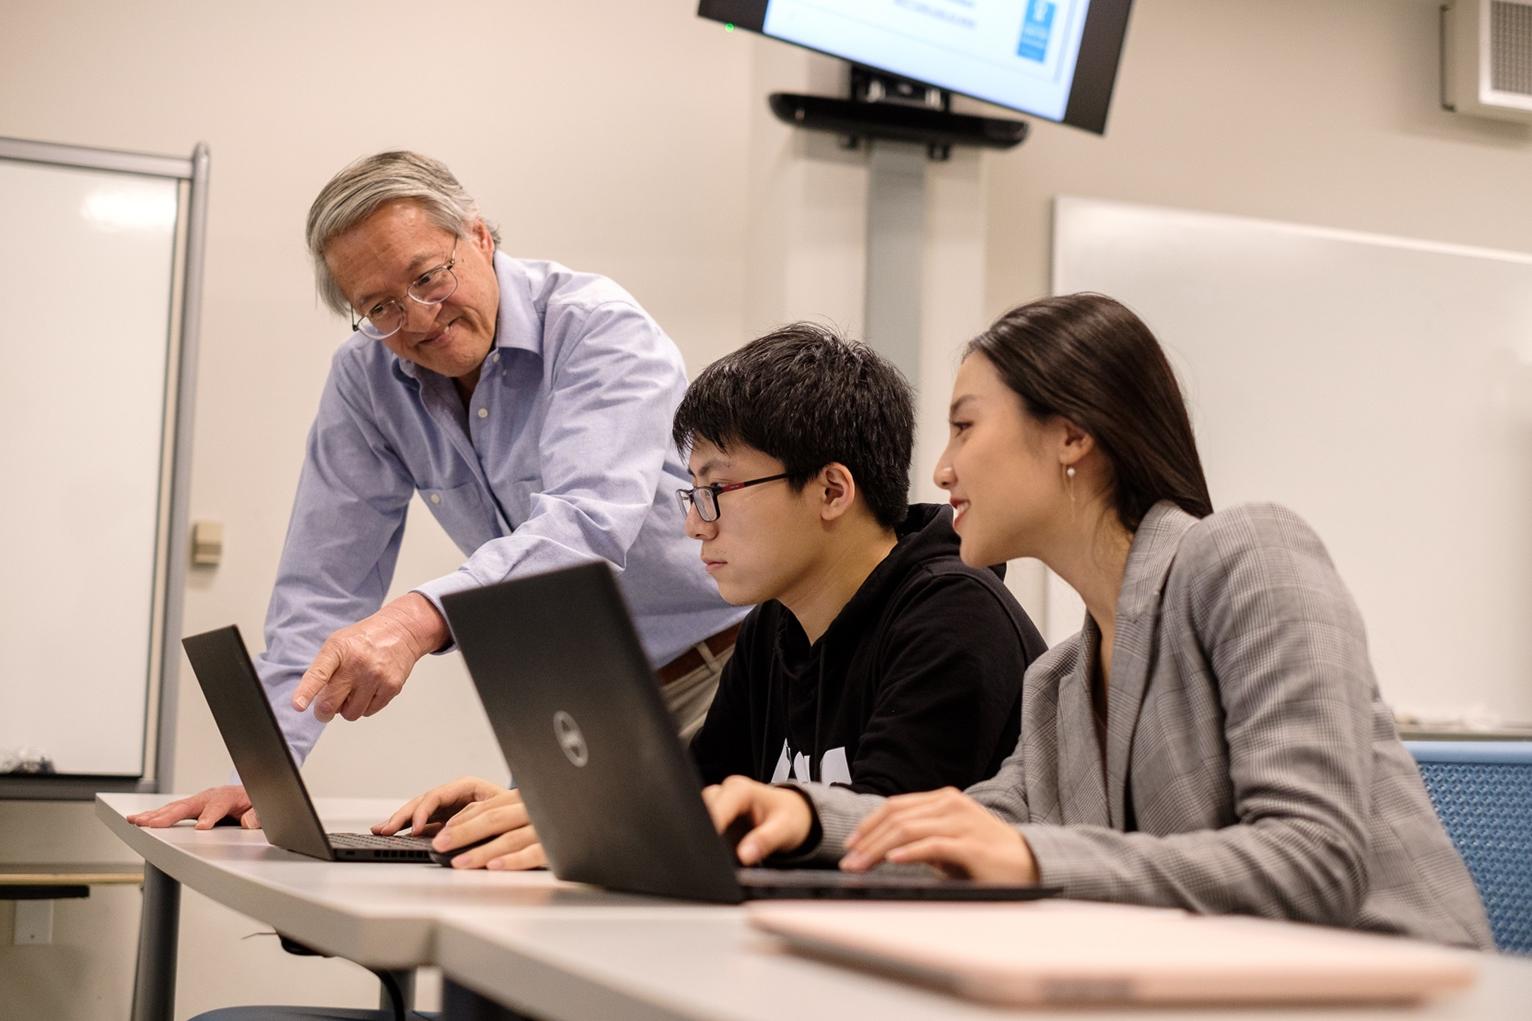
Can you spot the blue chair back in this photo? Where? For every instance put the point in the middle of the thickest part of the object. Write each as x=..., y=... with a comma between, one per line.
x=1482, y=791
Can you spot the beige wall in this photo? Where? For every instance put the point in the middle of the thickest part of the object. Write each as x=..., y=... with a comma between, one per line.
x=632, y=139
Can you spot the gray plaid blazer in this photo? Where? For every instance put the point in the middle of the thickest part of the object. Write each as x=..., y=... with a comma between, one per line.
x=1250, y=764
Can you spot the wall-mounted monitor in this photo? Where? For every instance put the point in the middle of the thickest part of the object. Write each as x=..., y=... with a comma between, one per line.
x=1055, y=59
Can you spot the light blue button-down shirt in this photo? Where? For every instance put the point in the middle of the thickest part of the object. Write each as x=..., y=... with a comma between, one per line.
x=563, y=454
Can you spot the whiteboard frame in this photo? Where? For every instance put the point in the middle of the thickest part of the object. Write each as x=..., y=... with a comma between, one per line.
x=172, y=539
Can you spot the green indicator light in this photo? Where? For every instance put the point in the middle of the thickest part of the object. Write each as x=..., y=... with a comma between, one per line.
x=728, y=26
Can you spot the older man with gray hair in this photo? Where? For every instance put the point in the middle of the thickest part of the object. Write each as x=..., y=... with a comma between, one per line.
x=529, y=406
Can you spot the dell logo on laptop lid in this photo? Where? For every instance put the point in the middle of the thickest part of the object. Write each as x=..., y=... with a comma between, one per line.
x=570, y=739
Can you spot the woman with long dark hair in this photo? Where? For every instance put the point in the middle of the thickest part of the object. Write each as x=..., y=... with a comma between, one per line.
x=1213, y=738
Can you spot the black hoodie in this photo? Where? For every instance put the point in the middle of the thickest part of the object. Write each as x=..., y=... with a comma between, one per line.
x=915, y=685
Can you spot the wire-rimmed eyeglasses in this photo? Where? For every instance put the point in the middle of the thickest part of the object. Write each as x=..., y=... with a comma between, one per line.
x=432, y=287
x=705, y=498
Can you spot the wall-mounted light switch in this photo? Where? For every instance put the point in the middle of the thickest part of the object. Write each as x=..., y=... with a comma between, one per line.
x=207, y=543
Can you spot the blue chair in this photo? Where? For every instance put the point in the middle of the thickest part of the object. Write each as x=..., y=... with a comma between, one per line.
x=1482, y=791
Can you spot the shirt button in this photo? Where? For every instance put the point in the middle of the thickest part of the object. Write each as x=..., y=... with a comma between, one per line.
x=494, y=357
x=436, y=498
x=483, y=412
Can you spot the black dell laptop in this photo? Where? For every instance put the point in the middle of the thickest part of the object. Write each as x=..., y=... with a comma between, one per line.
x=613, y=794
x=266, y=767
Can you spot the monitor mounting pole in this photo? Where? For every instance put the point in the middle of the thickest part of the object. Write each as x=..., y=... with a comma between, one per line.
x=896, y=220
x=905, y=124
x=896, y=227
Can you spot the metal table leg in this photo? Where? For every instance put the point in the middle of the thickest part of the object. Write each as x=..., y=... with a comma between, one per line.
x=154, y=981
x=404, y=982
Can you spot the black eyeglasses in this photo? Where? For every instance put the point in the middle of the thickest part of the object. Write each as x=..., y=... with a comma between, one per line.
x=705, y=498
x=432, y=287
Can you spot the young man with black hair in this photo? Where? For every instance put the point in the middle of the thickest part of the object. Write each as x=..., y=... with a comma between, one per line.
x=874, y=657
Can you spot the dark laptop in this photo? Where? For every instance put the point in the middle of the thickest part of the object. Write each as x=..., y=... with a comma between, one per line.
x=266, y=767
x=613, y=794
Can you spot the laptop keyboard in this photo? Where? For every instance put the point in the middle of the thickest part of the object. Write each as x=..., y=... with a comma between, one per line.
x=888, y=883
x=811, y=878
x=371, y=842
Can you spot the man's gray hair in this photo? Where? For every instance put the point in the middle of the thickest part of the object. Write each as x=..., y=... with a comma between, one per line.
x=357, y=191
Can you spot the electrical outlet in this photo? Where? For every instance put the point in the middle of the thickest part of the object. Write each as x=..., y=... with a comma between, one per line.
x=32, y=923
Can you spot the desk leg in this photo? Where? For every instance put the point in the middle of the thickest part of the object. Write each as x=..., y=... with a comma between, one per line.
x=404, y=981
x=154, y=982
x=459, y=1003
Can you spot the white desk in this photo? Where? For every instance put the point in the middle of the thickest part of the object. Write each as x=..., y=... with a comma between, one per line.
x=381, y=915
x=708, y=963
x=565, y=951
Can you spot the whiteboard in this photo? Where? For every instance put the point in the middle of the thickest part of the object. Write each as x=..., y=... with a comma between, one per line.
x=91, y=362
x=1379, y=386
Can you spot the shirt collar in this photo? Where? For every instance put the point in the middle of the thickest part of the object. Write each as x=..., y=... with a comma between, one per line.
x=519, y=323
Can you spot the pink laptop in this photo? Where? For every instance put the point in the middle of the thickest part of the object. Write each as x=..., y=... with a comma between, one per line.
x=1059, y=952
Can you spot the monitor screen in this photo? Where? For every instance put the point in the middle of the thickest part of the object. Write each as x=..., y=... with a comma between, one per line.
x=1055, y=59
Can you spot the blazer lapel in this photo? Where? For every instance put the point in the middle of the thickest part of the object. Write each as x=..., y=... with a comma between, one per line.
x=1138, y=612
x=1082, y=785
